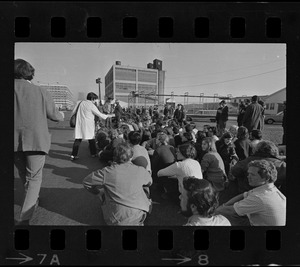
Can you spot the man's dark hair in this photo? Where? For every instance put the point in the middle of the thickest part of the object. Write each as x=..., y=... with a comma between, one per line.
x=255, y=98
x=202, y=195
x=257, y=134
x=188, y=136
x=134, y=137
x=91, y=96
x=23, y=70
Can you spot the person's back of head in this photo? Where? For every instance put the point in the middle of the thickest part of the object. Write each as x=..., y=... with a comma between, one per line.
x=188, y=128
x=200, y=135
x=202, y=195
x=242, y=133
x=23, y=70
x=255, y=98
x=123, y=152
x=256, y=134
x=188, y=136
x=176, y=130
x=188, y=151
x=134, y=137
x=266, y=149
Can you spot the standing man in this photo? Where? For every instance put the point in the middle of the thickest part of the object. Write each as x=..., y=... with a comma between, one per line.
x=222, y=117
x=118, y=113
x=179, y=115
x=107, y=110
x=32, y=107
x=284, y=124
x=253, y=117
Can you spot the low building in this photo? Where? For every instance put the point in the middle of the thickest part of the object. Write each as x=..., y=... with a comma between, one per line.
x=61, y=94
x=274, y=102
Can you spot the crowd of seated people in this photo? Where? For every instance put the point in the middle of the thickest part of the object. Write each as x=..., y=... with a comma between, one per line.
x=210, y=178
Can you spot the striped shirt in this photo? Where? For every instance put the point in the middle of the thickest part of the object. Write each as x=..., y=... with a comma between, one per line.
x=264, y=205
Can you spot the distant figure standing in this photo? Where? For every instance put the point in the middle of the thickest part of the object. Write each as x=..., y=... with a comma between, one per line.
x=107, y=110
x=241, y=113
x=284, y=124
x=221, y=117
x=118, y=113
x=253, y=118
x=32, y=107
x=179, y=114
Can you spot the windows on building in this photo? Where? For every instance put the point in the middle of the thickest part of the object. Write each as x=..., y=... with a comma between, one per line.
x=272, y=106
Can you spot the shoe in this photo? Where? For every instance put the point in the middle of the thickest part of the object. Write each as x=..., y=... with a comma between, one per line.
x=94, y=156
x=73, y=157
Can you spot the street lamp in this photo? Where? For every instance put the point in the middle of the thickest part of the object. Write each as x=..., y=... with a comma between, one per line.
x=98, y=80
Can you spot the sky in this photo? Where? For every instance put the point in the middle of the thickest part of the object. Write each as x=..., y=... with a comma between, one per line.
x=208, y=68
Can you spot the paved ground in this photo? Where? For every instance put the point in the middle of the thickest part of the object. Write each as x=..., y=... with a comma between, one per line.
x=64, y=201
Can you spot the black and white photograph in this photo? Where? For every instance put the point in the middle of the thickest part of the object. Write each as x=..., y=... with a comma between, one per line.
x=150, y=134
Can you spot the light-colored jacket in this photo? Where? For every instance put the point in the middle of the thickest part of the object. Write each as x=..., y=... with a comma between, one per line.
x=32, y=107
x=85, y=119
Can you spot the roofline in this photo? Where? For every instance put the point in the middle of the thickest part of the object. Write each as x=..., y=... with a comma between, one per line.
x=277, y=91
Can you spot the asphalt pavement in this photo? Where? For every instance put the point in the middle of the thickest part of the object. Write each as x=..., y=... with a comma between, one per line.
x=64, y=201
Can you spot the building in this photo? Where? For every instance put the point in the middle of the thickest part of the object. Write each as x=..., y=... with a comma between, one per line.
x=274, y=102
x=61, y=94
x=135, y=85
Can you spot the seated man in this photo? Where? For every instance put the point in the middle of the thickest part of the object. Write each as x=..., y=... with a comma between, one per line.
x=198, y=201
x=264, y=205
x=124, y=201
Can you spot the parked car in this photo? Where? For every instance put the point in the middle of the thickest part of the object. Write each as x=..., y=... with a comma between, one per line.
x=270, y=119
x=202, y=114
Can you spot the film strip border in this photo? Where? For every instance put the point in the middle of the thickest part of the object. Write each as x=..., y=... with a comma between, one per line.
x=165, y=25
x=135, y=246
x=151, y=22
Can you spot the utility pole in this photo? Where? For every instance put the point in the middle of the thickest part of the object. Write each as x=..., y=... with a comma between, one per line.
x=98, y=80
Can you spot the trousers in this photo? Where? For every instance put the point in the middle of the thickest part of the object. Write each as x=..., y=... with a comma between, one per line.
x=30, y=168
x=92, y=147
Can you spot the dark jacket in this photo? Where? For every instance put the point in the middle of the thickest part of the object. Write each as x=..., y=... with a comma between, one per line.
x=222, y=114
x=243, y=148
x=253, y=117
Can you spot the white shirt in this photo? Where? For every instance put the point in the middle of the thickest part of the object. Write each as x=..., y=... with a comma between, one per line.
x=264, y=205
x=181, y=169
x=217, y=220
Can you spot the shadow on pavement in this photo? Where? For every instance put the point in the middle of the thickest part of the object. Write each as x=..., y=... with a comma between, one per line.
x=75, y=204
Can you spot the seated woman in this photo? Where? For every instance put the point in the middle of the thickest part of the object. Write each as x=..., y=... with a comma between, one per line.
x=242, y=144
x=255, y=137
x=188, y=166
x=212, y=165
x=198, y=201
x=120, y=188
x=226, y=150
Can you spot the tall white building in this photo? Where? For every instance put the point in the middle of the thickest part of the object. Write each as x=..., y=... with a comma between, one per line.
x=135, y=85
x=61, y=94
